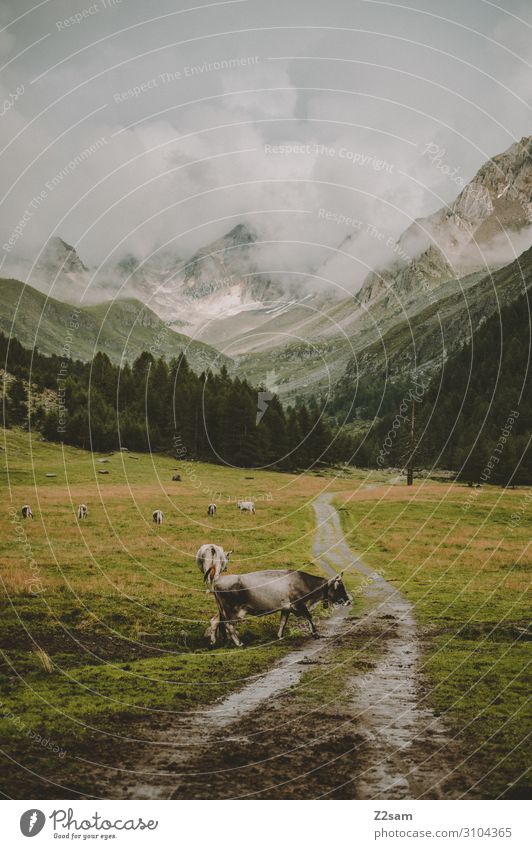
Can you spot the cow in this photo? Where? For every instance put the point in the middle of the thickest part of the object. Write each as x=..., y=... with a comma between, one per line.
x=211, y=510
x=158, y=517
x=212, y=561
x=26, y=512
x=246, y=506
x=83, y=511
x=176, y=477
x=269, y=591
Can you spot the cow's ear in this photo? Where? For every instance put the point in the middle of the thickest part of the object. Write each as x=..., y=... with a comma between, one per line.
x=229, y=553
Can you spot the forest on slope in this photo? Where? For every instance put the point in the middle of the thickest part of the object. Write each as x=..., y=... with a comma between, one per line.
x=475, y=416
x=156, y=405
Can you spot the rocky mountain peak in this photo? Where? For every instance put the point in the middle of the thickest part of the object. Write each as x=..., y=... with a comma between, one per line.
x=221, y=264
x=60, y=256
x=459, y=239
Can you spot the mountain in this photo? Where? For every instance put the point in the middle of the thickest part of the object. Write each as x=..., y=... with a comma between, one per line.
x=476, y=414
x=58, y=271
x=223, y=264
x=201, y=294
x=475, y=231
x=59, y=257
x=393, y=322
x=416, y=350
x=121, y=329
x=224, y=295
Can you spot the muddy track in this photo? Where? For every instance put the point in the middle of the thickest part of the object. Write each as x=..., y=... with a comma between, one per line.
x=275, y=739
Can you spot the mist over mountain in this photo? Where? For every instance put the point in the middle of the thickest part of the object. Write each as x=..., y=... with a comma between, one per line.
x=231, y=294
x=487, y=226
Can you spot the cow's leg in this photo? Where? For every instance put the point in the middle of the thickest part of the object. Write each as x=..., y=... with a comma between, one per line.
x=302, y=610
x=233, y=633
x=212, y=630
x=284, y=619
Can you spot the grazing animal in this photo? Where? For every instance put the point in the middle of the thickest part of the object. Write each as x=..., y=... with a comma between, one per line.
x=83, y=511
x=176, y=477
x=211, y=510
x=26, y=512
x=246, y=506
x=158, y=517
x=212, y=561
x=262, y=593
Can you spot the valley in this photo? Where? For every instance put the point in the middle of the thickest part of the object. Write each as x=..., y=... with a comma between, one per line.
x=443, y=278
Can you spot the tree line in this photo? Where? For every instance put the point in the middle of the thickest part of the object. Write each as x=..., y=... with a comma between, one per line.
x=474, y=417
x=148, y=405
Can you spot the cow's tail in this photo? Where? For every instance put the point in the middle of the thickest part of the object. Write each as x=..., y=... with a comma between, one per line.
x=210, y=565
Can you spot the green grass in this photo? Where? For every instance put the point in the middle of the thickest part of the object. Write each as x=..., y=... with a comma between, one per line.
x=120, y=610
x=118, y=604
x=467, y=574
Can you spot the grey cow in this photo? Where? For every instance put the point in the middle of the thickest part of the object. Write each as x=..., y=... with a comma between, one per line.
x=262, y=593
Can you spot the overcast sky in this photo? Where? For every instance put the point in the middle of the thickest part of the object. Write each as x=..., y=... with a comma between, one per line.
x=183, y=105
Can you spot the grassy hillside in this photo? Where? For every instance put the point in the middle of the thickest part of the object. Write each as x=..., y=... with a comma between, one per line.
x=389, y=337
x=121, y=329
x=426, y=338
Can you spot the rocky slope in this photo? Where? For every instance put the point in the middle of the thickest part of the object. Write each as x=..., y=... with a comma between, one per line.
x=473, y=233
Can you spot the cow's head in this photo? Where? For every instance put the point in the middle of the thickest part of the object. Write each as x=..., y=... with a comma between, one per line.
x=337, y=592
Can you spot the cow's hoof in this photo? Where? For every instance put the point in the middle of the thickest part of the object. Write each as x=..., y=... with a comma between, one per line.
x=316, y=635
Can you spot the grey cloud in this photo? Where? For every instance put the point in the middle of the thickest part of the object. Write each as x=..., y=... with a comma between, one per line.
x=174, y=119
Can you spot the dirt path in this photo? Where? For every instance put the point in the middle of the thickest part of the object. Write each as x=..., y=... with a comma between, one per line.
x=282, y=736
x=408, y=746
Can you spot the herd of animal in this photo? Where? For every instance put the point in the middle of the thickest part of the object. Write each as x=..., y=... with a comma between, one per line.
x=157, y=516
x=260, y=593
x=212, y=509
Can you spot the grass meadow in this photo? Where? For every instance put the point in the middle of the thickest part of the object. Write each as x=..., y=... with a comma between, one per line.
x=462, y=556
x=103, y=620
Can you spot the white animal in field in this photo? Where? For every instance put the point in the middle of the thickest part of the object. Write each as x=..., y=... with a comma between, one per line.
x=83, y=511
x=158, y=517
x=26, y=512
x=211, y=510
x=246, y=506
x=212, y=561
